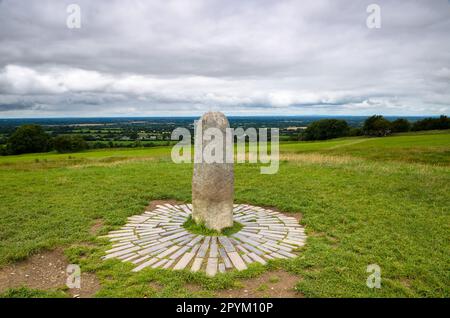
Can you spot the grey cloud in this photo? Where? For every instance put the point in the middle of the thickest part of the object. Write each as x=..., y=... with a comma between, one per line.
x=149, y=57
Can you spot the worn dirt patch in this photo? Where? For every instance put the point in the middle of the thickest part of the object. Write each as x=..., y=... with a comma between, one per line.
x=45, y=271
x=96, y=227
x=276, y=284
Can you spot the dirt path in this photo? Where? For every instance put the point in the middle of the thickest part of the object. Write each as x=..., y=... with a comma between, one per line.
x=277, y=284
x=46, y=271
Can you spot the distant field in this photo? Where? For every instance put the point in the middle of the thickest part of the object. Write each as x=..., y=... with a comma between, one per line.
x=362, y=200
x=429, y=148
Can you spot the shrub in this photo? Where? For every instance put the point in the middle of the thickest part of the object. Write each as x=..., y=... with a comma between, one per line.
x=400, y=125
x=355, y=132
x=326, y=129
x=377, y=125
x=69, y=143
x=28, y=139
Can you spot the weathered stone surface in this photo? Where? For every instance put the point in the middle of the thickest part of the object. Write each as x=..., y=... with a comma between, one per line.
x=197, y=264
x=211, y=267
x=237, y=261
x=213, y=180
x=144, y=265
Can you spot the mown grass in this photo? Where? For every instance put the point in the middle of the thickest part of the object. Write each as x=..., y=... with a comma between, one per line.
x=363, y=201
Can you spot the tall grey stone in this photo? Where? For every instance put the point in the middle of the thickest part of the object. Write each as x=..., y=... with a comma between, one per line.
x=213, y=179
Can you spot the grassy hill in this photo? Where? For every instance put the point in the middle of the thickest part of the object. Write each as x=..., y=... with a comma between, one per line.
x=362, y=200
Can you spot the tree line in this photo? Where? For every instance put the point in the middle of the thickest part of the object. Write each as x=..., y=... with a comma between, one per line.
x=376, y=126
x=33, y=139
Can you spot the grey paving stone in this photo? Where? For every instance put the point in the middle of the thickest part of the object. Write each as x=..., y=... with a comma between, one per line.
x=119, y=244
x=241, y=248
x=225, y=258
x=174, y=236
x=257, y=258
x=196, y=264
x=122, y=247
x=141, y=259
x=253, y=249
x=125, y=256
x=211, y=267
x=203, y=248
x=222, y=267
x=128, y=259
x=247, y=259
x=298, y=243
x=122, y=252
x=195, y=248
x=168, y=264
x=154, y=248
x=287, y=245
x=145, y=264
x=274, y=237
x=213, y=250
x=170, y=237
x=237, y=261
x=290, y=255
x=123, y=239
x=279, y=247
x=126, y=234
x=149, y=243
x=228, y=246
x=271, y=248
x=169, y=251
x=183, y=240
x=184, y=261
x=180, y=252
x=264, y=249
x=246, y=239
x=160, y=263
x=195, y=240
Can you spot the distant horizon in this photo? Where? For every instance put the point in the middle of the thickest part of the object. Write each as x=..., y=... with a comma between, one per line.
x=229, y=116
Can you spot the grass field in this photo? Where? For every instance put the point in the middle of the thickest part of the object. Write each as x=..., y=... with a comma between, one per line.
x=362, y=200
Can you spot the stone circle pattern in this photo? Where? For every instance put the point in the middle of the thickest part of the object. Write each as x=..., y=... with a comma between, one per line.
x=157, y=239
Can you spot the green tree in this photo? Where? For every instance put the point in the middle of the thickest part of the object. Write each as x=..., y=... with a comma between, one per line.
x=326, y=129
x=29, y=139
x=400, y=125
x=443, y=122
x=69, y=143
x=377, y=125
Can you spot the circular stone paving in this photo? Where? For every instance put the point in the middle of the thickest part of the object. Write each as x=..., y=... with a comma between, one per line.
x=158, y=239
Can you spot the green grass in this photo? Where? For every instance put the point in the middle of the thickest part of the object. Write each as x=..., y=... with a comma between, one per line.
x=363, y=201
x=24, y=292
x=426, y=148
x=197, y=228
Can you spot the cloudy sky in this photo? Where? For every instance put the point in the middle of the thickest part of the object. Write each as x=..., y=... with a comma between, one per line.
x=261, y=57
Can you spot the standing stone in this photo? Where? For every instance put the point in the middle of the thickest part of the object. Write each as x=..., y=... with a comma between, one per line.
x=213, y=180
